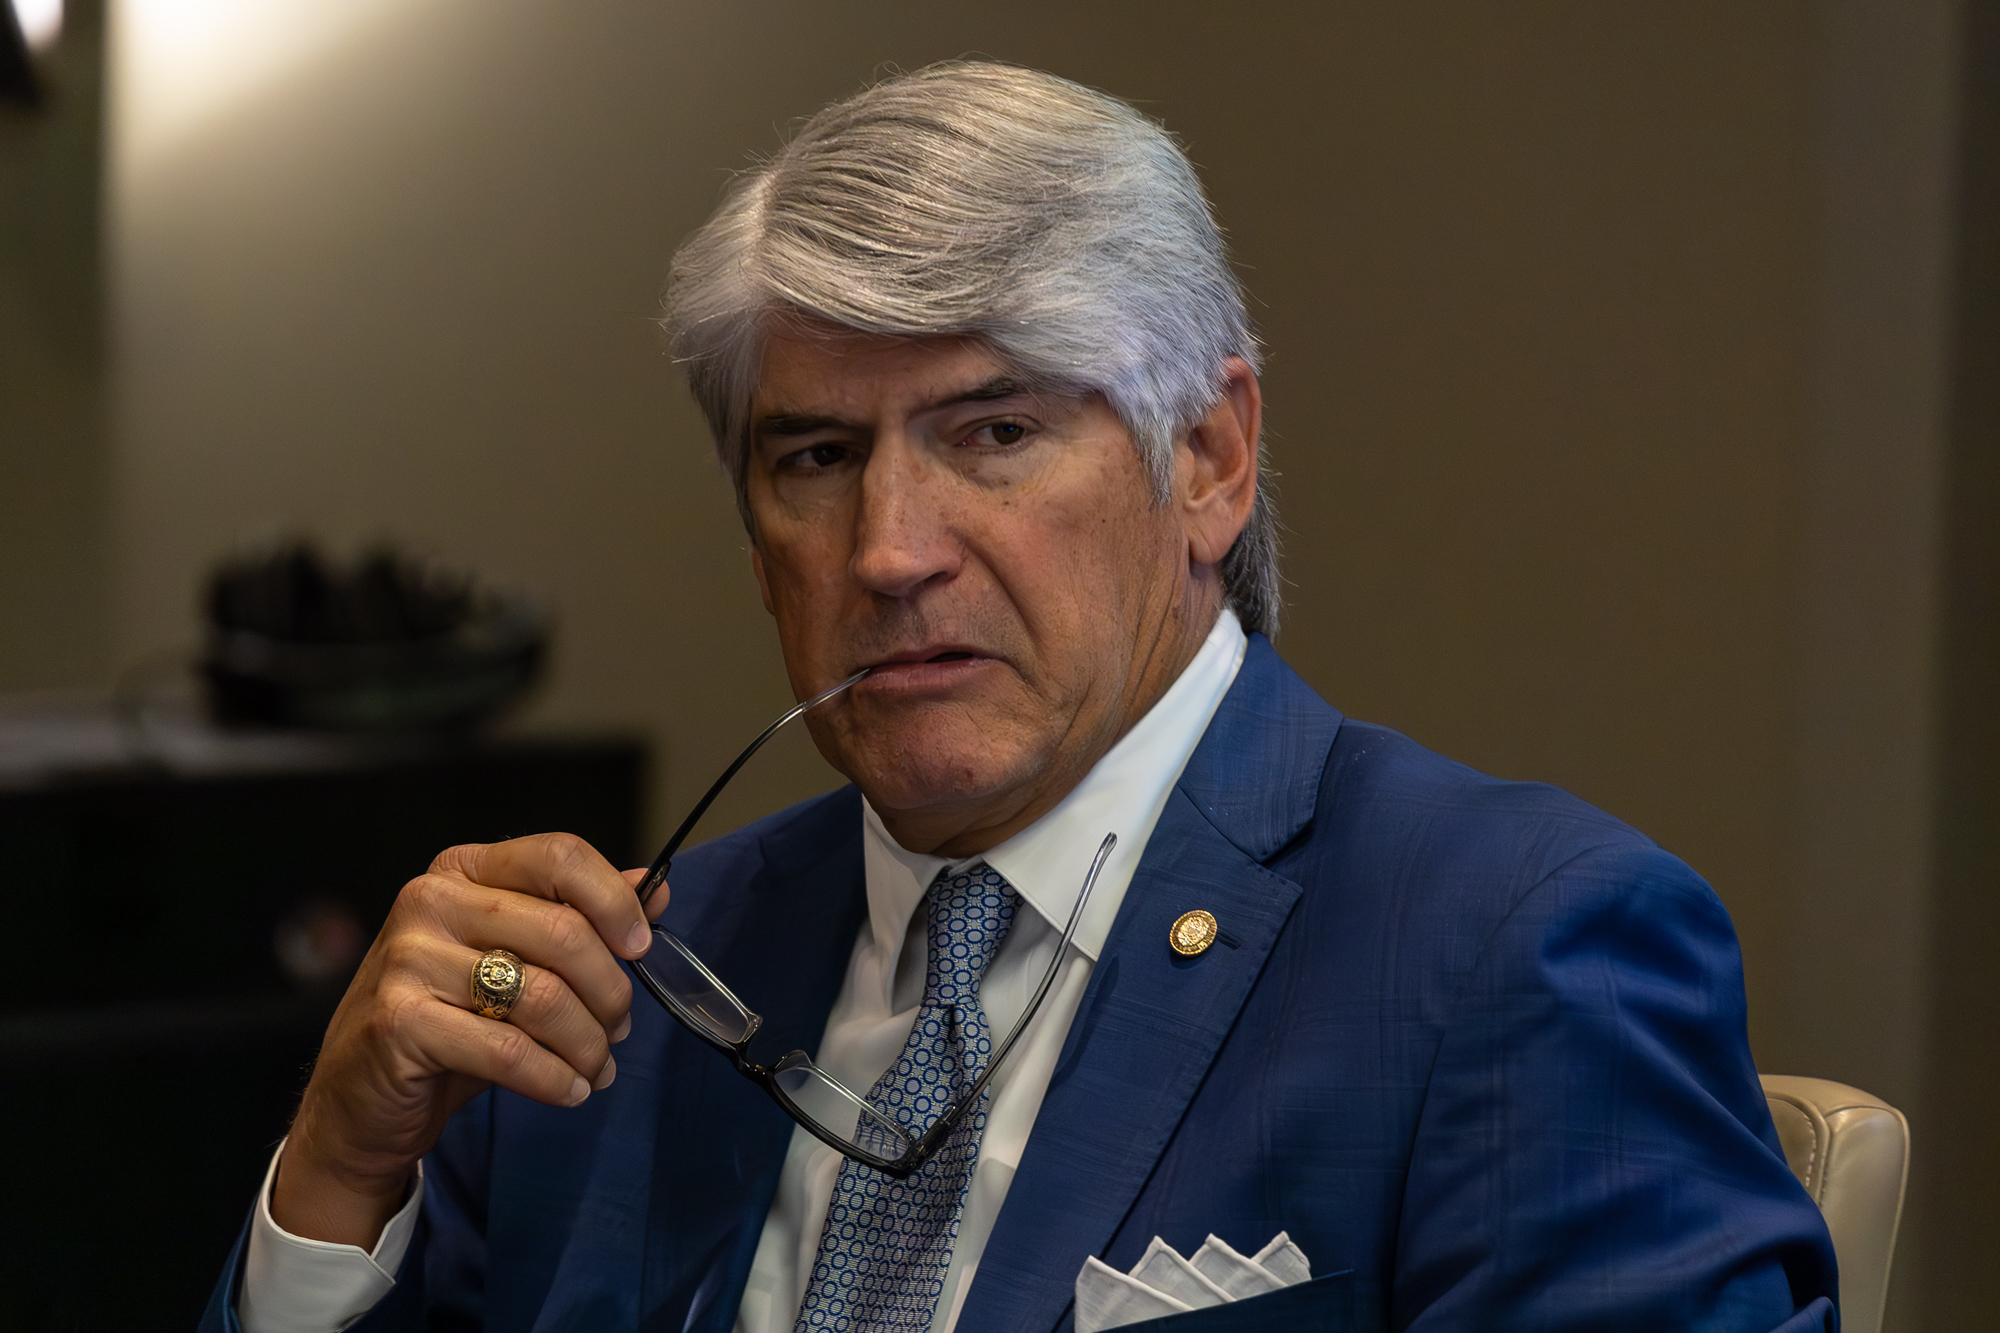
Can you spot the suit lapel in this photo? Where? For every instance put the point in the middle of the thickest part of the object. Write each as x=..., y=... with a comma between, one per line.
x=783, y=938
x=1152, y=1021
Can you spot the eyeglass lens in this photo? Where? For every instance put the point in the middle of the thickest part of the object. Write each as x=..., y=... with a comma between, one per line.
x=806, y=1089
x=704, y=1000
x=809, y=1093
x=812, y=1092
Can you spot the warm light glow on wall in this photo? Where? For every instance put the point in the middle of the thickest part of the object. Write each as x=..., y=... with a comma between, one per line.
x=41, y=22
x=182, y=65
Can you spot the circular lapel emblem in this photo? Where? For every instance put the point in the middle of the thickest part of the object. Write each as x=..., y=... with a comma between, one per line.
x=1191, y=934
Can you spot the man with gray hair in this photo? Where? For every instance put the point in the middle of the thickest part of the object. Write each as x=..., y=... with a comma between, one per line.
x=1128, y=982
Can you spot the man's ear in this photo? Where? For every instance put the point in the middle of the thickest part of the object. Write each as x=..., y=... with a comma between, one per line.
x=763, y=584
x=1215, y=466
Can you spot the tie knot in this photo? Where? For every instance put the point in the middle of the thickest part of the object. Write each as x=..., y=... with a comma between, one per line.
x=970, y=913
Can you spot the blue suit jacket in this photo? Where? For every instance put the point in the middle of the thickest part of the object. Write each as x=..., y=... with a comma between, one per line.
x=1478, y=1047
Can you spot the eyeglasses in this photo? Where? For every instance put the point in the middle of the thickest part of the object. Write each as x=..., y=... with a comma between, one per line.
x=828, y=1109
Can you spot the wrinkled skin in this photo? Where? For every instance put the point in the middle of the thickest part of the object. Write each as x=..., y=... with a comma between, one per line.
x=997, y=556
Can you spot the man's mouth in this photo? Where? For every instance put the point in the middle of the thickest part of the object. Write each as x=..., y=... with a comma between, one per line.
x=925, y=656
x=927, y=668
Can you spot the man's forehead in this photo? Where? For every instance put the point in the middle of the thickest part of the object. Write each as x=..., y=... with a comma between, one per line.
x=852, y=375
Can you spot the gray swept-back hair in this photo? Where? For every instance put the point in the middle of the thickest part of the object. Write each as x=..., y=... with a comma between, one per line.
x=1057, y=224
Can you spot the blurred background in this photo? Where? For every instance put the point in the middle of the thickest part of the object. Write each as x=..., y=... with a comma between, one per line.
x=1634, y=383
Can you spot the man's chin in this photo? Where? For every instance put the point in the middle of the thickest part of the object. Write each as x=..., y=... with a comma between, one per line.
x=960, y=784
x=917, y=790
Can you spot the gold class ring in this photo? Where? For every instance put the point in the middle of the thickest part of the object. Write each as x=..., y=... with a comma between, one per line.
x=497, y=981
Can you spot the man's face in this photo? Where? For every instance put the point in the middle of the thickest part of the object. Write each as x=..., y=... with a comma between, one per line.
x=996, y=556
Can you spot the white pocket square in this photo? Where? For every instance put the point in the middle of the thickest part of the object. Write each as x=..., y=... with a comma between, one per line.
x=1163, y=1282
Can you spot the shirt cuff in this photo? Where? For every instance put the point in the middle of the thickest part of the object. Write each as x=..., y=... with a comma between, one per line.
x=295, y=1285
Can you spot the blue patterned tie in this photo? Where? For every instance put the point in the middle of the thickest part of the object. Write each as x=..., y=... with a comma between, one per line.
x=887, y=1243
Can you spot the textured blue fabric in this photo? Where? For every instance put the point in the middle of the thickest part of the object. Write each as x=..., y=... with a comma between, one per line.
x=887, y=1243
x=1472, y=1039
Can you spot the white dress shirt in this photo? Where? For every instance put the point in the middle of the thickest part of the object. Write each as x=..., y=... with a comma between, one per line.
x=299, y=1286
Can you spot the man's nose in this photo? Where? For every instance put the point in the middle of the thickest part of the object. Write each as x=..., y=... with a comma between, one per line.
x=904, y=538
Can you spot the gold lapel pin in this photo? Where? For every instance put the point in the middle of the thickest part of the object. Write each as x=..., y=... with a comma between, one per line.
x=1194, y=932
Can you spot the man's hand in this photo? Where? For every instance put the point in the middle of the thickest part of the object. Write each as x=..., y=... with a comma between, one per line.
x=405, y=1050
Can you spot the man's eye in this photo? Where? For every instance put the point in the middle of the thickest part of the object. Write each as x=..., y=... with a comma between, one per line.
x=1000, y=432
x=815, y=458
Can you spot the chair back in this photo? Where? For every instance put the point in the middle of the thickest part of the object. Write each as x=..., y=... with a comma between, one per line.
x=1852, y=1153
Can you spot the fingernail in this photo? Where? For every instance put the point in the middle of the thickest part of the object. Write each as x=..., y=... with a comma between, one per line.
x=640, y=939
x=605, y=1075
x=622, y=1031
x=578, y=1091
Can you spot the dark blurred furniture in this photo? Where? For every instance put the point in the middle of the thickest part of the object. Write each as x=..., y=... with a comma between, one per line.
x=182, y=915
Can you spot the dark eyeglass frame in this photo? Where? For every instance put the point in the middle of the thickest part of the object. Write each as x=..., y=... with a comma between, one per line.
x=797, y=1066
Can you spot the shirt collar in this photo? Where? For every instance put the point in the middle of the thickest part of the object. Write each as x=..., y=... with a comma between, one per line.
x=1123, y=794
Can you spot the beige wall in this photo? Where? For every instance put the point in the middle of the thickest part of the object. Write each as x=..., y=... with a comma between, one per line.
x=1858, y=987
x=1598, y=377
x=54, y=470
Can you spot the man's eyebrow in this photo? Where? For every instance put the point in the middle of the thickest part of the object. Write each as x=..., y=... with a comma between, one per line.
x=794, y=423
x=785, y=424
x=1000, y=386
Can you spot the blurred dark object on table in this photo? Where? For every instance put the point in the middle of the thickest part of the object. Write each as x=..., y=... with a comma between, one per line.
x=384, y=644
x=185, y=903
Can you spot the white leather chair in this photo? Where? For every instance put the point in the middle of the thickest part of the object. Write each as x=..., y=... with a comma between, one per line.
x=1852, y=1153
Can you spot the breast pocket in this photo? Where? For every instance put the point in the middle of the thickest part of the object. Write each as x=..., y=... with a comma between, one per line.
x=1323, y=1305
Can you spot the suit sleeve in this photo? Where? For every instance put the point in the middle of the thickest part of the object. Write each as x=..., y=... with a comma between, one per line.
x=442, y=1276
x=1595, y=1150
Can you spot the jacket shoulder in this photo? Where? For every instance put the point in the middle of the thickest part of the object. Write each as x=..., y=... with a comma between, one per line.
x=1381, y=785
x=1406, y=844
x=1291, y=781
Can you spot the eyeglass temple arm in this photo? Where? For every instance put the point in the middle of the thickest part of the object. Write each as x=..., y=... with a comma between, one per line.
x=946, y=1123
x=656, y=873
